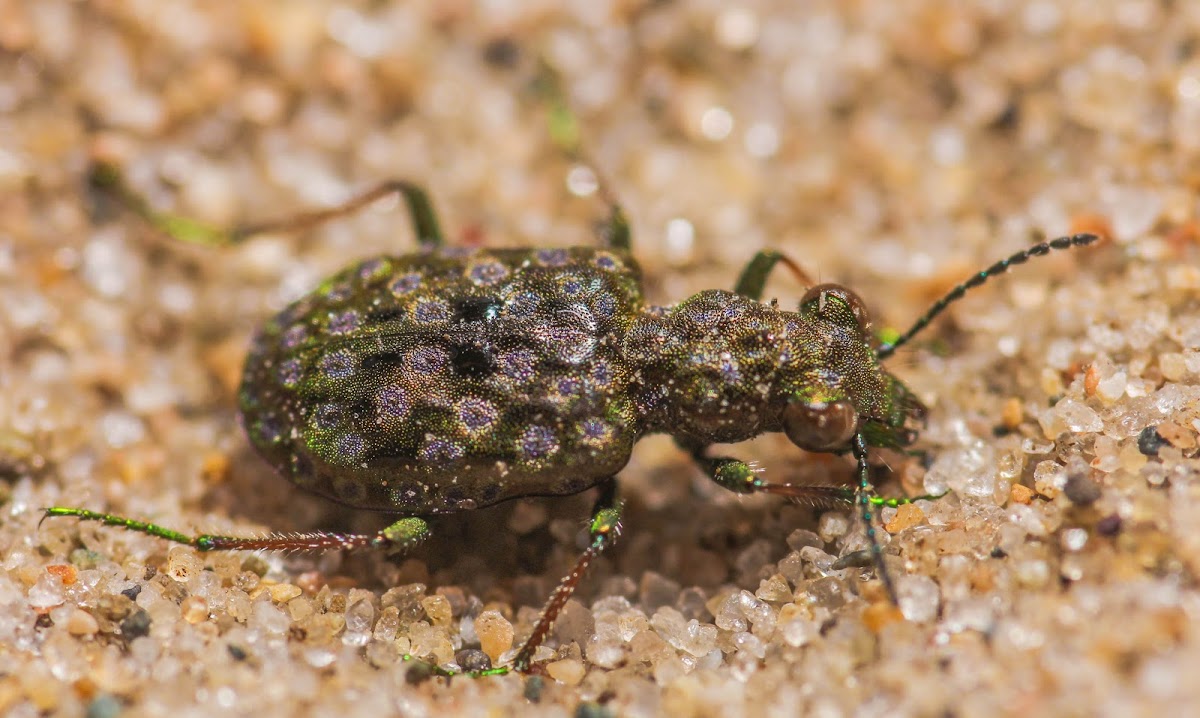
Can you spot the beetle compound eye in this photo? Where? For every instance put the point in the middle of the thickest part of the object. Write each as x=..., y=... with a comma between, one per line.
x=820, y=425
x=835, y=303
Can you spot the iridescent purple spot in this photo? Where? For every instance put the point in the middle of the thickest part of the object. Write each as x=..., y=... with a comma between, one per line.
x=730, y=371
x=294, y=336
x=517, y=364
x=706, y=319
x=327, y=416
x=427, y=360
x=431, y=310
x=351, y=446
x=476, y=414
x=267, y=430
x=593, y=431
x=339, y=292
x=289, y=373
x=405, y=283
x=343, y=322
x=569, y=386
x=372, y=267
x=486, y=274
x=338, y=364
x=437, y=450
x=552, y=257
x=390, y=403
x=602, y=374
x=523, y=305
x=606, y=261
x=571, y=287
x=604, y=305
x=538, y=441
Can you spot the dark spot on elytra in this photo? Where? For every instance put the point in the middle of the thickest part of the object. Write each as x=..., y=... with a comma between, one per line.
x=473, y=358
x=382, y=359
x=384, y=315
x=477, y=309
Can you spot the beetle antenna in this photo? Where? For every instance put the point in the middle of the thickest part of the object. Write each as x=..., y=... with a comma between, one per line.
x=1075, y=240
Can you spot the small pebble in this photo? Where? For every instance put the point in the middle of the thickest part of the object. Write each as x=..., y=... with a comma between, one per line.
x=569, y=671
x=1021, y=494
x=1174, y=434
x=495, y=634
x=438, y=609
x=82, y=623
x=1109, y=525
x=65, y=571
x=1149, y=441
x=879, y=614
x=472, y=659
x=1082, y=490
x=194, y=609
x=907, y=516
x=284, y=592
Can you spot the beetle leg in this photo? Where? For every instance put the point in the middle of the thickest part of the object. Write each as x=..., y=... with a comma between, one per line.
x=400, y=536
x=858, y=445
x=109, y=178
x=605, y=527
x=740, y=477
x=754, y=277
x=614, y=234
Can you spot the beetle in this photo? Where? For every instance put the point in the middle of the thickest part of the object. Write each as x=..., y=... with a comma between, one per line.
x=452, y=379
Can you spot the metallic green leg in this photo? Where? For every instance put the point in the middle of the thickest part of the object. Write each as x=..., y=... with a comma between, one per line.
x=753, y=279
x=740, y=477
x=398, y=537
x=108, y=178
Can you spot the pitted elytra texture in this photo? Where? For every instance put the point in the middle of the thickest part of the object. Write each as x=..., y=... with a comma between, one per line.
x=489, y=372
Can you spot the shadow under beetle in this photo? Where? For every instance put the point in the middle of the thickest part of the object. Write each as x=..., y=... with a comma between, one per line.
x=452, y=379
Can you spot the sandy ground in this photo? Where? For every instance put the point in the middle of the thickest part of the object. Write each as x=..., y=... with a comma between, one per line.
x=894, y=147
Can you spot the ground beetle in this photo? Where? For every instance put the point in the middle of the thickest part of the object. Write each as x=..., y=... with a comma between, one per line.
x=453, y=379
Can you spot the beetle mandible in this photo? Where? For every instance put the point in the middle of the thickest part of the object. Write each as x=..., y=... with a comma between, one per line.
x=453, y=379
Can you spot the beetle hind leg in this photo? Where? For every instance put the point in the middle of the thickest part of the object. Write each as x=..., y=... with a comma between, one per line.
x=400, y=536
x=108, y=178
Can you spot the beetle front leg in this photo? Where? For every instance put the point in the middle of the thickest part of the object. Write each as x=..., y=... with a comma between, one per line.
x=740, y=477
x=605, y=527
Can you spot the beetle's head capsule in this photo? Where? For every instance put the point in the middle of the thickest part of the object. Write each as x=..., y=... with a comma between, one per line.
x=843, y=390
x=838, y=305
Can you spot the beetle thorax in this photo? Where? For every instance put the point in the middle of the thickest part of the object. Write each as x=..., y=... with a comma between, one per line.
x=720, y=367
x=706, y=368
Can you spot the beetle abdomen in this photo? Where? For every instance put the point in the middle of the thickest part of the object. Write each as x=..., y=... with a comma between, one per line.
x=449, y=379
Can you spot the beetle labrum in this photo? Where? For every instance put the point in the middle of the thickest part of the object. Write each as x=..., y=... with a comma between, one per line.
x=454, y=379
